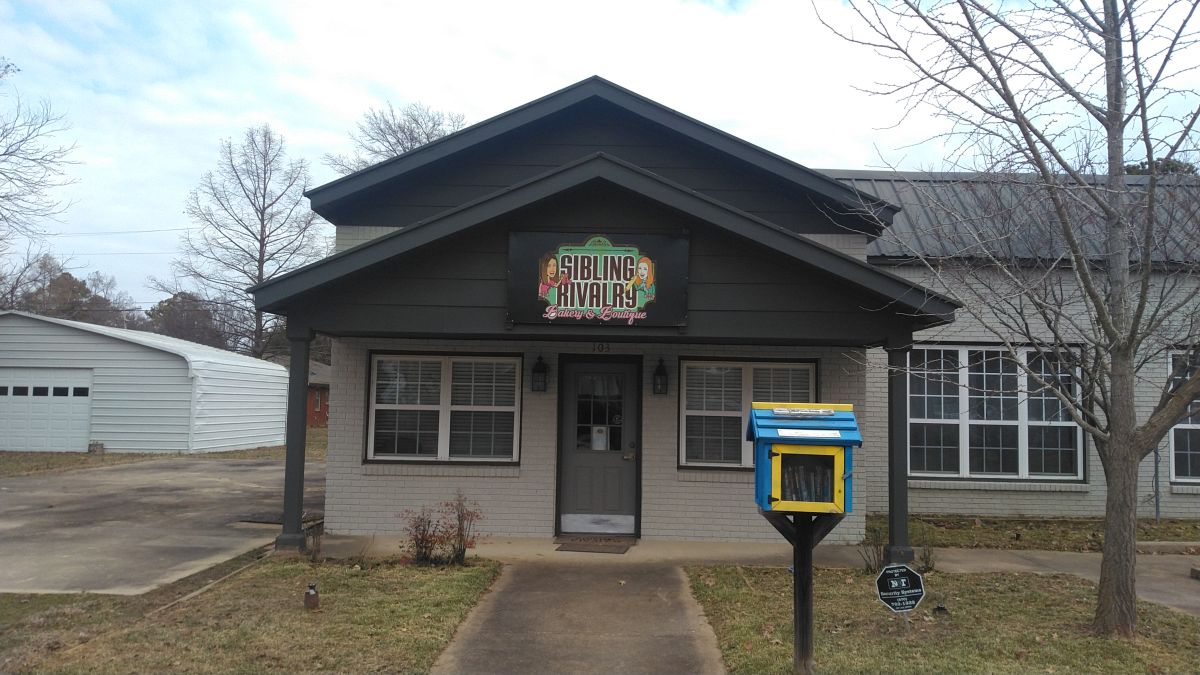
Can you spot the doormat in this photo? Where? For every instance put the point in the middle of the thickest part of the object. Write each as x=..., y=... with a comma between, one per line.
x=593, y=547
x=594, y=543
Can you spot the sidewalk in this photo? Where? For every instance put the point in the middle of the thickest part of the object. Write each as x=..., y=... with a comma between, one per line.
x=616, y=617
x=1164, y=579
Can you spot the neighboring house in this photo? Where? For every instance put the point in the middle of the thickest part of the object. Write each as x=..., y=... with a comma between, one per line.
x=65, y=384
x=565, y=312
x=1015, y=460
x=318, y=394
x=317, y=408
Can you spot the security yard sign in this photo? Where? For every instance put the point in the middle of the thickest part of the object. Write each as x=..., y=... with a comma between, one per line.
x=900, y=588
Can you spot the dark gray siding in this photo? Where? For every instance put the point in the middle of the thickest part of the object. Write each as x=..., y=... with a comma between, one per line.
x=590, y=127
x=738, y=291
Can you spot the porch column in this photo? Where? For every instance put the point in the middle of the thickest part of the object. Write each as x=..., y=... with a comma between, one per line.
x=898, y=549
x=292, y=536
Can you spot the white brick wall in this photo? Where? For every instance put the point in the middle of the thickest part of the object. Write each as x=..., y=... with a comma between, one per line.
x=519, y=500
x=1027, y=498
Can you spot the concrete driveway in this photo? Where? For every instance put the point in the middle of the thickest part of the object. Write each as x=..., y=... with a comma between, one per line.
x=129, y=528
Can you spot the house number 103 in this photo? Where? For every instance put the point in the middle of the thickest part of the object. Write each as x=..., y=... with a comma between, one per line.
x=600, y=347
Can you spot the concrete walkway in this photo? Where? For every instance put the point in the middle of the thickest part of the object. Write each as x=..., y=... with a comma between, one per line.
x=614, y=617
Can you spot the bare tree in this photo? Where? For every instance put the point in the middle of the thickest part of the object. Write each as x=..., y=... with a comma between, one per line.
x=1056, y=248
x=254, y=225
x=20, y=276
x=31, y=164
x=387, y=132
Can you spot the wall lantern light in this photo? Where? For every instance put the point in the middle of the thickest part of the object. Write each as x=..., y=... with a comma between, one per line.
x=660, y=379
x=538, y=382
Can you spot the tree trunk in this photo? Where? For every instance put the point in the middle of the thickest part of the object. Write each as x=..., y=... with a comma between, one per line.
x=1116, y=611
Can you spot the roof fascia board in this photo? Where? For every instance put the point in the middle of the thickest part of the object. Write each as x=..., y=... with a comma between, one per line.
x=324, y=195
x=269, y=295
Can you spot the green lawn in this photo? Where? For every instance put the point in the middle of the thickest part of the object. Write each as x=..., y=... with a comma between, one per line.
x=385, y=617
x=1046, y=534
x=21, y=463
x=997, y=623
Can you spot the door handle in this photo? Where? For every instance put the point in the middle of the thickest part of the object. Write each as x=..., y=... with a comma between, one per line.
x=629, y=456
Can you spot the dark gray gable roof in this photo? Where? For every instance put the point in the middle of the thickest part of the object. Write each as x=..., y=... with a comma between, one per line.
x=953, y=214
x=596, y=87
x=910, y=298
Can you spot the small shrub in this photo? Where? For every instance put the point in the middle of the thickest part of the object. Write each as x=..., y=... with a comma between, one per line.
x=460, y=523
x=425, y=535
x=442, y=537
x=871, y=549
x=926, y=560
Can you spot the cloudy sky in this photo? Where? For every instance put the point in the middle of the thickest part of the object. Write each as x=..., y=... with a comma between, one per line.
x=150, y=87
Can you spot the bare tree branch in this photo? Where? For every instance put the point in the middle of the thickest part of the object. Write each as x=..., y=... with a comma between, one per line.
x=31, y=163
x=1050, y=246
x=388, y=132
x=254, y=225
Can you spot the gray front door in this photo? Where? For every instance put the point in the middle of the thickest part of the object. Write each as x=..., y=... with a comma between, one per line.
x=600, y=447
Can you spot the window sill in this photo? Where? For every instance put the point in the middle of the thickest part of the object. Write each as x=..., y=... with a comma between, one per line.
x=442, y=469
x=1185, y=489
x=1006, y=486
x=720, y=475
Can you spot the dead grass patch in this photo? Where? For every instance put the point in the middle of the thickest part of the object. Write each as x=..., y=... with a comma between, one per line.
x=1045, y=534
x=23, y=463
x=386, y=616
x=997, y=623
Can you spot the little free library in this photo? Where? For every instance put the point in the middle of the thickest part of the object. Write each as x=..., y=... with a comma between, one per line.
x=567, y=310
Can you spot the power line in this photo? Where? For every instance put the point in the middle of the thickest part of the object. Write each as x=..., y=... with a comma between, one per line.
x=126, y=253
x=93, y=234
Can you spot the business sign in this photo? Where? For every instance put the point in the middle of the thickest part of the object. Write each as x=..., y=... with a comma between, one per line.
x=900, y=588
x=620, y=280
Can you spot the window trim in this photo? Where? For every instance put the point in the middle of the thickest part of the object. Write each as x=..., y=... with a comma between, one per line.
x=444, y=408
x=1184, y=480
x=963, y=422
x=747, y=365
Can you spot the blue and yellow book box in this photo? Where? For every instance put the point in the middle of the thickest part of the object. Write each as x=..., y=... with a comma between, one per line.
x=803, y=456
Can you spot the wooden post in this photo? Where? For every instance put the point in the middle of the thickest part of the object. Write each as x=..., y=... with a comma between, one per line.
x=898, y=549
x=802, y=602
x=292, y=535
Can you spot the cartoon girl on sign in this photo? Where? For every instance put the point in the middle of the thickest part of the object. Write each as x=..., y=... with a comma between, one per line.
x=550, y=280
x=643, y=281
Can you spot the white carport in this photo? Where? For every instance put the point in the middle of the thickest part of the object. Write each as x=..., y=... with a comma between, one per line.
x=65, y=383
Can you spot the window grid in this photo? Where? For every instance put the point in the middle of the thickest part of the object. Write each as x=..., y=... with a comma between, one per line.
x=707, y=428
x=969, y=417
x=467, y=426
x=1184, y=438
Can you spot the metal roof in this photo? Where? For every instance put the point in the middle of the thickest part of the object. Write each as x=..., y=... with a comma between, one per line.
x=191, y=352
x=1010, y=215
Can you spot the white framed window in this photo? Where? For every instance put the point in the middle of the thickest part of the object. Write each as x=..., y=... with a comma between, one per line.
x=715, y=398
x=444, y=408
x=973, y=412
x=1185, y=436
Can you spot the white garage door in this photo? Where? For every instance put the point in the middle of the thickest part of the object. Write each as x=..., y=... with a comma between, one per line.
x=45, y=409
